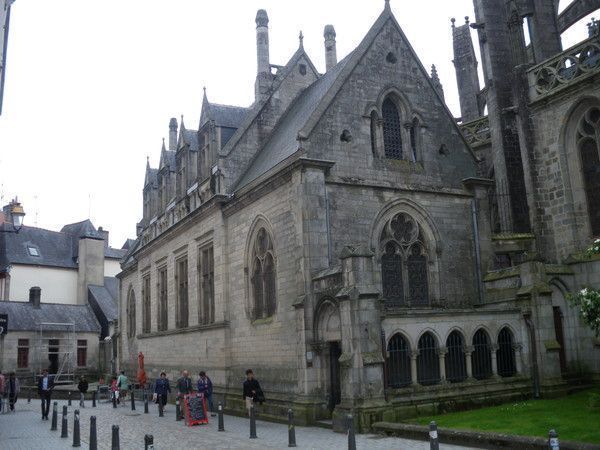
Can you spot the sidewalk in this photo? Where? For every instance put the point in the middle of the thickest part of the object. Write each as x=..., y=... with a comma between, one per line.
x=24, y=430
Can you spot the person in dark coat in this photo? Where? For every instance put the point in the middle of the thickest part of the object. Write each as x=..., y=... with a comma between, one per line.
x=12, y=389
x=83, y=388
x=162, y=390
x=252, y=391
x=45, y=386
x=205, y=387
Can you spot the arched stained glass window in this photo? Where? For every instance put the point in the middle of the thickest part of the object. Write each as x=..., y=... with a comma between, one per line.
x=263, y=276
x=392, y=130
x=588, y=144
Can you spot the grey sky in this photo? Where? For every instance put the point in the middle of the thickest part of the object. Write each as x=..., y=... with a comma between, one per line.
x=91, y=85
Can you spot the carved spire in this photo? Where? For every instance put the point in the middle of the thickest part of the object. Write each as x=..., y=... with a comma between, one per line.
x=301, y=39
x=387, y=5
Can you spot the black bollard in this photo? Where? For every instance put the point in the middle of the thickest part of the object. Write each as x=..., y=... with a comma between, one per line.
x=351, y=436
x=64, y=432
x=54, y=426
x=94, y=399
x=291, y=429
x=93, y=434
x=69, y=398
x=114, y=399
x=132, y=401
x=29, y=395
x=145, y=402
x=177, y=410
x=115, y=438
x=221, y=422
x=148, y=442
x=160, y=407
x=434, y=443
x=252, y=423
x=76, y=435
x=553, y=443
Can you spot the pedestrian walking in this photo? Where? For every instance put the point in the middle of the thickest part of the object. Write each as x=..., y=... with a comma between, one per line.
x=12, y=389
x=205, y=387
x=252, y=392
x=123, y=384
x=83, y=388
x=162, y=389
x=45, y=386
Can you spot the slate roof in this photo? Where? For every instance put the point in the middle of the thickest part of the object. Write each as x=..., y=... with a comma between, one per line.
x=102, y=297
x=190, y=138
x=225, y=115
x=22, y=316
x=55, y=249
x=283, y=142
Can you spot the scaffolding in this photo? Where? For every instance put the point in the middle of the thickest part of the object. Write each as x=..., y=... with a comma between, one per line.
x=56, y=350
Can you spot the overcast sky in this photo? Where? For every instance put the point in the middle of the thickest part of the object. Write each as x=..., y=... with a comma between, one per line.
x=91, y=85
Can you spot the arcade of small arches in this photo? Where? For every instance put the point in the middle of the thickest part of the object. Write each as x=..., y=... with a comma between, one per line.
x=456, y=360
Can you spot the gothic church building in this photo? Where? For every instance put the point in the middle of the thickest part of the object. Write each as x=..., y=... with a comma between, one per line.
x=362, y=249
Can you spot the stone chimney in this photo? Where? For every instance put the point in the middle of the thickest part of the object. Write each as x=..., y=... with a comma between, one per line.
x=90, y=269
x=330, y=48
x=263, y=75
x=104, y=234
x=35, y=297
x=173, y=134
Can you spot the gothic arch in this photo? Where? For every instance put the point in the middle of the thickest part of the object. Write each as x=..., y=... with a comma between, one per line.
x=328, y=325
x=261, y=270
x=579, y=135
x=429, y=239
x=402, y=333
x=434, y=333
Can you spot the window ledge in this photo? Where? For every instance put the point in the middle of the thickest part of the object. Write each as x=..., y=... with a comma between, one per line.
x=192, y=329
x=264, y=321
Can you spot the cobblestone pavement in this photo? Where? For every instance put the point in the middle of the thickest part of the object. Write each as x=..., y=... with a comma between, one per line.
x=24, y=430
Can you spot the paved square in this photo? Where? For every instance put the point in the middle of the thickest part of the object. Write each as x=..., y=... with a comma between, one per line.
x=24, y=430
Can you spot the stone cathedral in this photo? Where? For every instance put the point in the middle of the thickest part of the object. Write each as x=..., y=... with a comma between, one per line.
x=363, y=250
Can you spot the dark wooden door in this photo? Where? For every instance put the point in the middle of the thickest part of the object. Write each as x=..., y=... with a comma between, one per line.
x=53, y=359
x=560, y=338
x=335, y=389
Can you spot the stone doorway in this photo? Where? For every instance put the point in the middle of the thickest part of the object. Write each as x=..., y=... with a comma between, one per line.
x=329, y=338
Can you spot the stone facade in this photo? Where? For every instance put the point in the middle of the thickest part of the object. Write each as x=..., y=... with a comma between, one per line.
x=340, y=237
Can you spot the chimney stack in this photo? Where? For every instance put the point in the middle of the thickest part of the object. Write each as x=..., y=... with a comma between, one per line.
x=173, y=134
x=263, y=76
x=35, y=297
x=330, y=48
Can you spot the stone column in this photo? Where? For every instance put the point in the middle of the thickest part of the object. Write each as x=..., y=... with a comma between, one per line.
x=494, y=349
x=442, y=354
x=518, y=348
x=413, y=367
x=468, y=352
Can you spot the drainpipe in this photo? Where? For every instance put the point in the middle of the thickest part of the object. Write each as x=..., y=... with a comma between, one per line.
x=534, y=363
x=477, y=251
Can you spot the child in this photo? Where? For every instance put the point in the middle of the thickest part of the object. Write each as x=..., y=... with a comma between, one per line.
x=114, y=388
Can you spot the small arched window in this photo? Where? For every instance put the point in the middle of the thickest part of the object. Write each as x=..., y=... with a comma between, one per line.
x=398, y=362
x=505, y=355
x=482, y=355
x=392, y=130
x=428, y=360
x=588, y=144
x=263, y=276
x=131, y=331
x=404, y=263
x=456, y=363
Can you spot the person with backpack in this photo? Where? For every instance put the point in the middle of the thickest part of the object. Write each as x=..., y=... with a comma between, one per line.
x=162, y=389
x=123, y=385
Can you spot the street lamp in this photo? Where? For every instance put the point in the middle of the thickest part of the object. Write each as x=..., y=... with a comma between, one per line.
x=17, y=213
